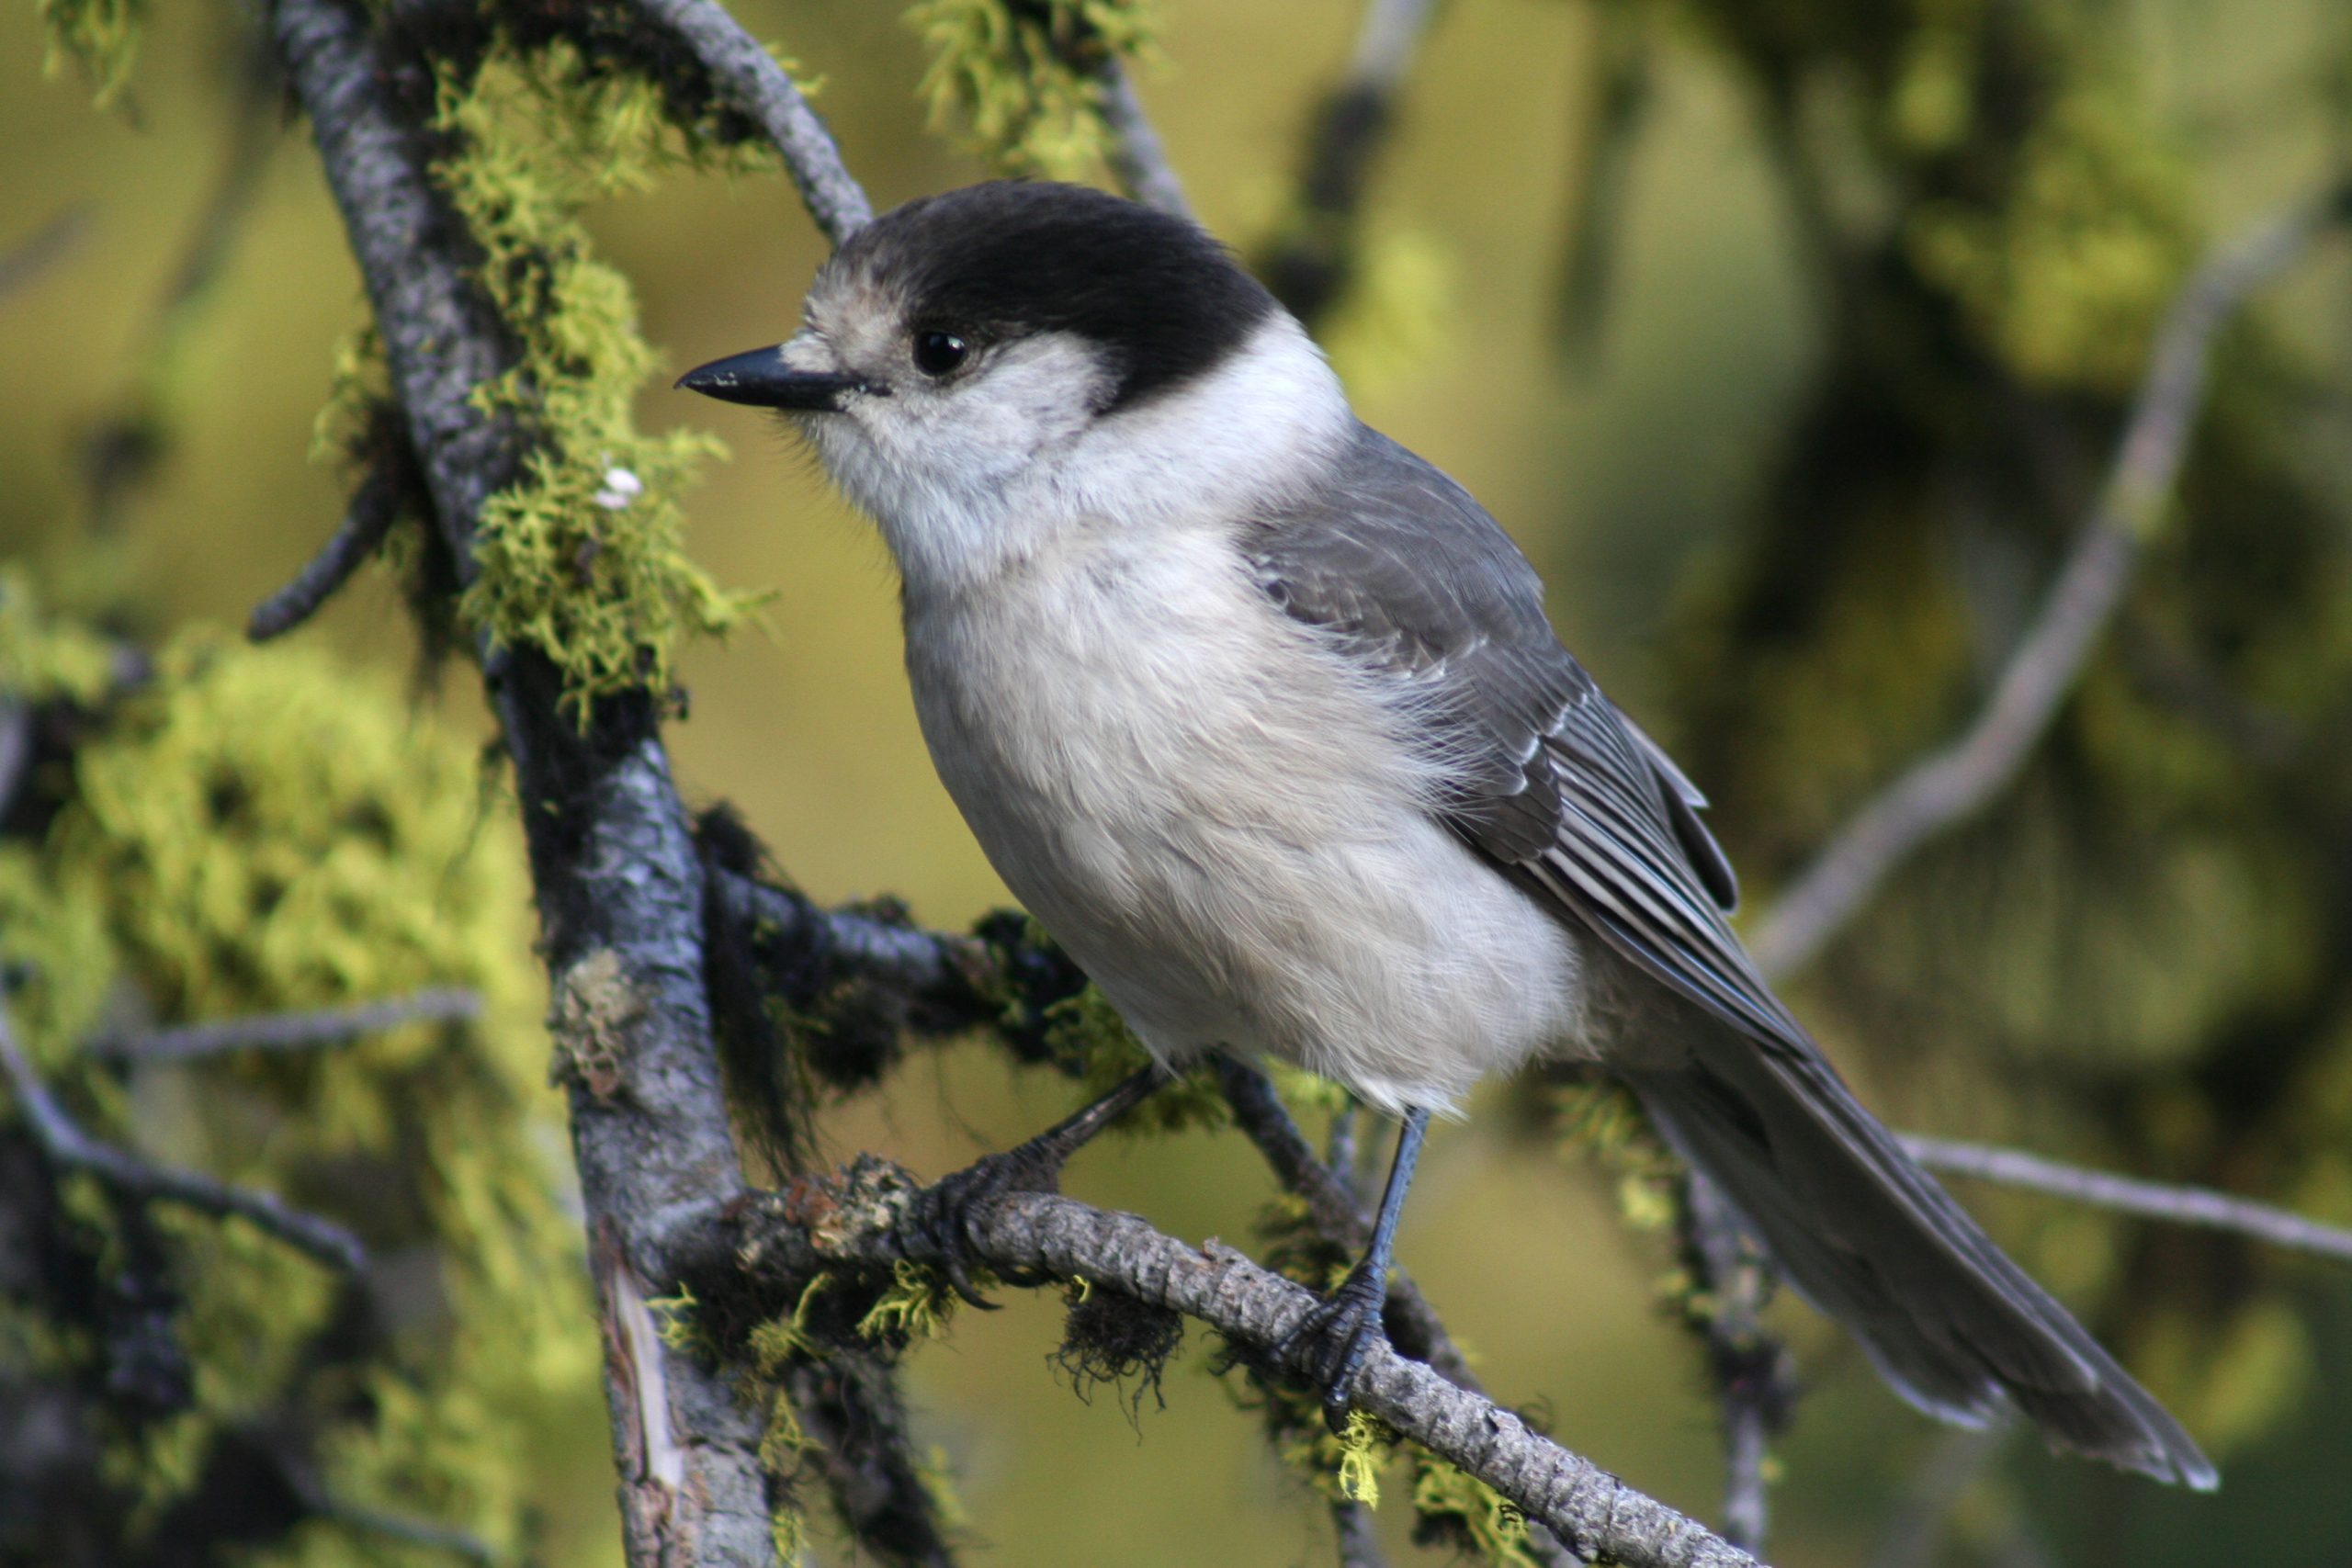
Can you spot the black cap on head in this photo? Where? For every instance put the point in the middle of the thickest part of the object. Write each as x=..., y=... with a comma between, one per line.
x=1167, y=301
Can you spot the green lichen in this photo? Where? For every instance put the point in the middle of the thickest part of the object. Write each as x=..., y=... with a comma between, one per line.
x=1600, y=1120
x=45, y=657
x=253, y=830
x=1021, y=80
x=1344, y=1466
x=1085, y=1033
x=1457, y=1509
x=101, y=37
x=918, y=1303
x=583, y=556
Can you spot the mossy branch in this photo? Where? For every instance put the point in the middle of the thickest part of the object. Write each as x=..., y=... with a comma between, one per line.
x=860, y=1219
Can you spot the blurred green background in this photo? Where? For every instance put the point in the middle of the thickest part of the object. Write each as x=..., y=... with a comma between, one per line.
x=1640, y=476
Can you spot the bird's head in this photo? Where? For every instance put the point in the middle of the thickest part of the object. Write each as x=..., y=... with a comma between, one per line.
x=979, y=368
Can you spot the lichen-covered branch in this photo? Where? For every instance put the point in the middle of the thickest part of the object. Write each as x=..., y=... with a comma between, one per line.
x=617, y=879
x=133, y=1176
x=867, y=1219
x=1947, y=786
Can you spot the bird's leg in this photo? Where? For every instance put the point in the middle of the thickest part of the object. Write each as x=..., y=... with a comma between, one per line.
x=1331, y=1342
x=942, y=1219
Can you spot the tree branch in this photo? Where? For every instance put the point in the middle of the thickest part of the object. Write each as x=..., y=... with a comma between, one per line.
x=617, y=880
x=1139, y=160
x=290, y=1031
x=391, y=482
x=135, y=1176
x=865, y=1219
x=2152, y=1200
x=1310, y=264
x=1965, y=776
x=1753, y=1374
x=755, y=83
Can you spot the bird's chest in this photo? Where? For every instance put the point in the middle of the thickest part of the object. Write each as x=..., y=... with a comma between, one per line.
x=1154, y=759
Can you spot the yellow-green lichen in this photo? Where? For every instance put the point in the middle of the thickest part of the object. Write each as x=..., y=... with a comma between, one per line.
x=1463, y=1511
x=1344, y=1466
x=45, y=657
x=101, y=37
x=1600, y=1120
x=253, y=830
x=1021, y=79
x=1085, y=1032
x=918, y=1303
x=583, y=556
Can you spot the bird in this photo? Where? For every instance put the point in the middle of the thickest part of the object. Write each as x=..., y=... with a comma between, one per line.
x=1261, y=716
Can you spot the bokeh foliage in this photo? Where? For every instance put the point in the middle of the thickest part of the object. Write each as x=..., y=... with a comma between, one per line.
x=226, y=832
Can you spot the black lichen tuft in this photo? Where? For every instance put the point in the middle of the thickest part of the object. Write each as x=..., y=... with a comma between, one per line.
x=1112, y=1337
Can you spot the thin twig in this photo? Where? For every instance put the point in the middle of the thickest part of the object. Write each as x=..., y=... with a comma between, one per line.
x=291, y=1031
x=2197, y=1206
x=49, y=244
x=1358, y=1540
x=870, y=1217
x=412, y=1532
x=1340, y=1146
x=762, y=89
x=389, y=481
x=1752, y=1371
x=1310, y=264
x=1965, y=776
x=66, y=1145
x=1138, y=159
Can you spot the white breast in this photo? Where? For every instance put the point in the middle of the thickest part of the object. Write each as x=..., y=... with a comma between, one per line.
x=1235, y=860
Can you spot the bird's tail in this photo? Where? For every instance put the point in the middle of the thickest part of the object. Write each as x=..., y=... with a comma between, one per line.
x=1871, y=1240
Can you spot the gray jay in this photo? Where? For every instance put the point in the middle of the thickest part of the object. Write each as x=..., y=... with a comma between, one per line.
x=1260, y=716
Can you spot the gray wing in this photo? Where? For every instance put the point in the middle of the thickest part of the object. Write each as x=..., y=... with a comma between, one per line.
x=1411, y=577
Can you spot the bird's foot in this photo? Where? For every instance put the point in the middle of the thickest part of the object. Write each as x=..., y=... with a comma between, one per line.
x=1331, y=1342
x=941, y=1224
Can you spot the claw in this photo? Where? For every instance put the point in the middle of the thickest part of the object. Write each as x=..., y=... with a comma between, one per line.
x=945, y=1224
x=1330, y=1343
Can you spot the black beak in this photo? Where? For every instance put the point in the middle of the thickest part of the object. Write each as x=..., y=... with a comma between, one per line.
x=761, y=378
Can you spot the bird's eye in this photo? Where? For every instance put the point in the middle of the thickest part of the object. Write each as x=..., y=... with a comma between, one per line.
x=938, y=353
